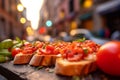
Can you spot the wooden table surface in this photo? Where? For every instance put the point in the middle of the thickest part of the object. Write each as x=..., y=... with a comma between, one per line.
x=27, y=72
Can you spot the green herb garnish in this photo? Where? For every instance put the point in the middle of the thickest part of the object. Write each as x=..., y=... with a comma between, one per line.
x=18, y=39
x=18, y=43
x=85, y=50
x=40, y=67
x=80, y=40
x=75, y=78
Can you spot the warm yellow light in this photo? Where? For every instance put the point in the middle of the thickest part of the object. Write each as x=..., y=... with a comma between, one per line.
x=73, y=25
x=22, y=20
x=73, y=32
x=62, y=15
x=29, y=31
x=88, y=3
x=47, y=38
x=33, y=11
x=20, y=7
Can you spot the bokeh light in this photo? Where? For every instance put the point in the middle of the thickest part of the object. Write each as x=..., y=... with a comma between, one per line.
x=33, y=10
x=49, y=23
x=22, y=20
x=20, y=7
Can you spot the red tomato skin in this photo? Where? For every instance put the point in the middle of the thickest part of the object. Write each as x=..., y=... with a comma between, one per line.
x=16, y=51
x=50, y=49
x=108, y=58
x=56, y=51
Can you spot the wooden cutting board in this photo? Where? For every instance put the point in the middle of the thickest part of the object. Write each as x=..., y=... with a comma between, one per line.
x=27, y=72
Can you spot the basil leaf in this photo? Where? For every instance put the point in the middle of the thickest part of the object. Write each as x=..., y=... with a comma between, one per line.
x=18, y=39
x=18, y=45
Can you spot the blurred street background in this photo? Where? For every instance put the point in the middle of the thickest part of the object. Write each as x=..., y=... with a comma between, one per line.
x=48, y=20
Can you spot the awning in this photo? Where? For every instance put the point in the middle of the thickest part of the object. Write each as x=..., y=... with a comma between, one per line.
x=85, y=16
x=108, y=7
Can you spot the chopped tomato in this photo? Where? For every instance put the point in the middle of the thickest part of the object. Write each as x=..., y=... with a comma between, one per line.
x=76, y=51
x=49, y=49
x=38, y=44
x=27, y=51
x=16, y=51
x=70, y=54
x=76, y=57
x=27, y=44
x=56, y=51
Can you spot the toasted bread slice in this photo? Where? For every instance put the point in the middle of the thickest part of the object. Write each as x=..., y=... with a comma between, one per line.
x=43, y=60
x=92, y=66
x=46, y=60
x=36, y=60
x=22, y=58
x=67, y=68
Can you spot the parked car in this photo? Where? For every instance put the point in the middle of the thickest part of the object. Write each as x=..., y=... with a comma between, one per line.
x=80, y=33
x=116, y=35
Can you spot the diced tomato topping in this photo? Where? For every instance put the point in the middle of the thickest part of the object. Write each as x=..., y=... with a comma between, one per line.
x=77, y=57
x=72, y=51
x=50, y=48
x=16, y=51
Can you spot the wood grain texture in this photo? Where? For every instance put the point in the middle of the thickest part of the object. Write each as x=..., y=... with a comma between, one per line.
x=27, y=72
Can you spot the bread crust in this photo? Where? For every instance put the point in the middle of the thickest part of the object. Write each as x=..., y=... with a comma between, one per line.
x=36, y=59
x=22, y=58
x=79, y=68
x=43, y=60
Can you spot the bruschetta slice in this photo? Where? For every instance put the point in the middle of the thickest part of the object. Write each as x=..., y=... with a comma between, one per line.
x=79, y=68
x=22, y=58
x=43, y=60
x=25, y=55
x=77, y=59
x=45, y=56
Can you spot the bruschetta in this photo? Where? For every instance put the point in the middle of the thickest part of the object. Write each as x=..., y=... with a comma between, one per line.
x=26, y=53
x=77, y=59
x=79, y=68
x=22, y=58
x=43, y=60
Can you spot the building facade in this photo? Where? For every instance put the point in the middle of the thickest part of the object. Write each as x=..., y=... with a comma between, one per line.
x=58, y=11
x=72, y=14
x=10, y=26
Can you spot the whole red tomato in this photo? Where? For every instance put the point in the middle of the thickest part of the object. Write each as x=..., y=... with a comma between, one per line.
x=108, y=58
x=15, y=51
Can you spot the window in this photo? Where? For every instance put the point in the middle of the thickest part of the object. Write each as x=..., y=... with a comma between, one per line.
x=71, y=5
x=3, y=4
x=10, y=4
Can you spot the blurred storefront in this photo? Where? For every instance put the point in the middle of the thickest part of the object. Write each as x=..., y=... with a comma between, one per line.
x=98, y=16
x=62, y=13
x=12, y=19
x=108, y=17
